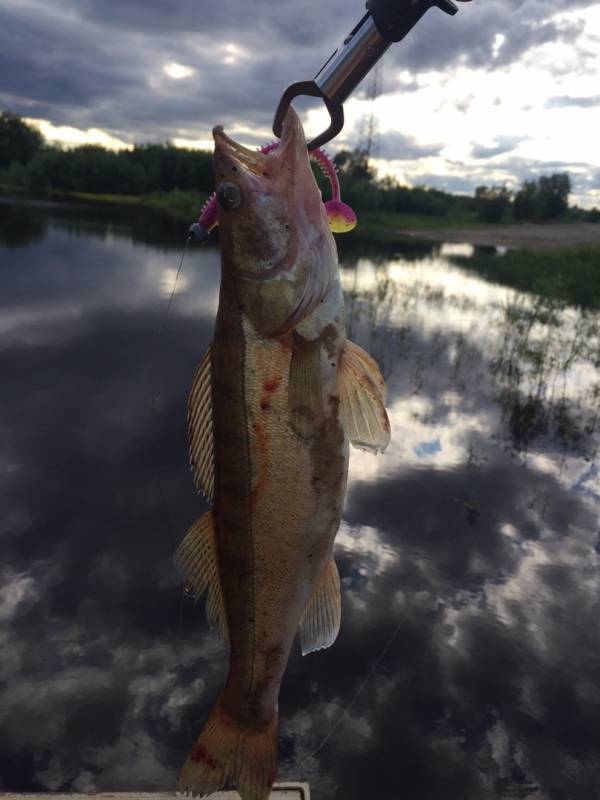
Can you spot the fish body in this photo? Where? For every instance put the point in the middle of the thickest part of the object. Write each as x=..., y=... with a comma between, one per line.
x=273, y=407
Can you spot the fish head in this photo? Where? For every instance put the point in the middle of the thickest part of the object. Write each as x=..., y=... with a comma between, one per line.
x=276, y=244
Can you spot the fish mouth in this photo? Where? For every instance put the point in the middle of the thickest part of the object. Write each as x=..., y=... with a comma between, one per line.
x=253, y=161
x=284, y=174
x=280, y=159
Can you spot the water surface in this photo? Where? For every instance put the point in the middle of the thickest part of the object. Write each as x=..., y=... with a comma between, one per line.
x=468, y=664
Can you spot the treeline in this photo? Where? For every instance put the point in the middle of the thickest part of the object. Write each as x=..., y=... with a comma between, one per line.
x=28, y=162
x=540, y=200
x=363, y=192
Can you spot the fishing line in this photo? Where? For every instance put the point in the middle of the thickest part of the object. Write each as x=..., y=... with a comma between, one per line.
x=155, y=397
x=165, y=319
x=357, y=694
x=161, y=329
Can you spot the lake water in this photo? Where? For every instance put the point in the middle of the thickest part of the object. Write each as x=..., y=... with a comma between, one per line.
x=468, y=664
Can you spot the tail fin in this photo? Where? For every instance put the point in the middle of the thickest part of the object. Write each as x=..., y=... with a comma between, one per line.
x=226, y=754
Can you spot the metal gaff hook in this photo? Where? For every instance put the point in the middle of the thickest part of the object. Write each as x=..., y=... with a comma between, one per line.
x=386, y=22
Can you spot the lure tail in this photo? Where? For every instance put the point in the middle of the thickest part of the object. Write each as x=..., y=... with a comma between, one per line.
x=227, y=754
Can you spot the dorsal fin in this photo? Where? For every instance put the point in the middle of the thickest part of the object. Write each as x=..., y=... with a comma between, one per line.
x=362, y=400
x=200, y=428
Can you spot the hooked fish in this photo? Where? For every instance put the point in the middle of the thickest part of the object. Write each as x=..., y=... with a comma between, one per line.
x=274, y=403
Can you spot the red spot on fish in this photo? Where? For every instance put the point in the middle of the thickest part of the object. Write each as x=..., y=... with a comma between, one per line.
x=272, y=384
x=200, y=755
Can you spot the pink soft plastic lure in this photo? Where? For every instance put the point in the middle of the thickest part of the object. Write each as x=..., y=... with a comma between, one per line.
x=341, y=217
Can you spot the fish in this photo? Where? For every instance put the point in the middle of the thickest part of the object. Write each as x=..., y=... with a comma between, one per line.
x=274, y=404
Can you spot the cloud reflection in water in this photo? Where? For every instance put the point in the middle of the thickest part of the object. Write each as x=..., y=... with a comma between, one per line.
x=468, y=551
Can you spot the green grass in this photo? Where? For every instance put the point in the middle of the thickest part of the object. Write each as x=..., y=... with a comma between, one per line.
x=570, y=275
x=388, y=226
x=185, y=207
x=177, y=205
x=100, y=199
x=182, y=206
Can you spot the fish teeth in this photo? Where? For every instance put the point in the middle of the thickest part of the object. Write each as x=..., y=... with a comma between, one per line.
x=209, y=201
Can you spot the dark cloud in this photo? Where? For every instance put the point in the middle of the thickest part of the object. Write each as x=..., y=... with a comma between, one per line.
x=504, y=145
x=100, y=64
x=396, y=145
x=465, y=177
x=460, y=184
x=439, y=42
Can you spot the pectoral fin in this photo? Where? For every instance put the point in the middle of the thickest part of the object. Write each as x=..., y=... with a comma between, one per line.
x=304, y=395
x=196, y=560
x=362, y=400
x=320, y=623
x=200, y=428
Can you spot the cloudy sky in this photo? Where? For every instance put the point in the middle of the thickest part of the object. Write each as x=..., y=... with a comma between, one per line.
x=505, y=90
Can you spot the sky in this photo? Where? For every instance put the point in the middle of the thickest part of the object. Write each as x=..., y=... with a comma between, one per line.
x=504, y=91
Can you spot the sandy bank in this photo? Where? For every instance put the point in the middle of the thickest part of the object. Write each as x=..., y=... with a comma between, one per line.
x=536, y=237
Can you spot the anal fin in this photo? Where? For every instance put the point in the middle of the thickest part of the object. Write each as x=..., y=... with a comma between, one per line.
x=320, y=623
x=362, y=400
x=196, y=560
x=200, y=428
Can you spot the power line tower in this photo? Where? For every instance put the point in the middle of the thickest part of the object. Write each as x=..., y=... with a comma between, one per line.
x=369, y=129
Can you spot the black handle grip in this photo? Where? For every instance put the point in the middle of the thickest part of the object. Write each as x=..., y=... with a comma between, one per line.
x=395, y=18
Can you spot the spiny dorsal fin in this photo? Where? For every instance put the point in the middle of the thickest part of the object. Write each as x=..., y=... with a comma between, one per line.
x=362, y=400
x=200, y=428
x=196, y=560
x=320, y=623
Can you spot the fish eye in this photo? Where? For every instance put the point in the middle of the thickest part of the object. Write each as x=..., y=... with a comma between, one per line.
x=229, y=195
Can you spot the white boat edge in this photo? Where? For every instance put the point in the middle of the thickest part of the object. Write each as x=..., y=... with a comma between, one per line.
x=281, y=791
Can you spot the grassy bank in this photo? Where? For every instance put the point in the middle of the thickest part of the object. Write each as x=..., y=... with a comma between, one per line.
x=385, y=226
x=375, y=226
x=185, y=207
x=570, y=275
x=177, y=205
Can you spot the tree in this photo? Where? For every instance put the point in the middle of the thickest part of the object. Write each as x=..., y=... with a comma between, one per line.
x=492, y=203
x=354, y=164
x=554, y=191
x=544, y=198
x=525, y=206
x=18, y=141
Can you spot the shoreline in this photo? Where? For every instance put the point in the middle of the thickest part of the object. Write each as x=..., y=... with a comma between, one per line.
x=524, y=236
x=184, y=207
